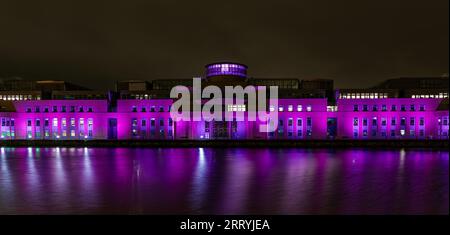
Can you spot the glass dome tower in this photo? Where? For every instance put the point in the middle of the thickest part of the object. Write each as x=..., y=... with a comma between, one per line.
x=226, y=69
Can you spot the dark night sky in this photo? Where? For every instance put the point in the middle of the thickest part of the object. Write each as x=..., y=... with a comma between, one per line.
x=93, y=43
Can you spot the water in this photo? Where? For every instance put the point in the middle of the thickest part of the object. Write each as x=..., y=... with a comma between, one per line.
x=223, y=181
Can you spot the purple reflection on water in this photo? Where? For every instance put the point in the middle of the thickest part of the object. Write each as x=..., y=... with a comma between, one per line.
x=222, y=181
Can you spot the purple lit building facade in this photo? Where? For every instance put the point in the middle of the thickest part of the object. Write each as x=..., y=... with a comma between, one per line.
x=303, y=112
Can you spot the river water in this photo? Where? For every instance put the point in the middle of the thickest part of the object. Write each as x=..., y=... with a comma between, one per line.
x=223, y=181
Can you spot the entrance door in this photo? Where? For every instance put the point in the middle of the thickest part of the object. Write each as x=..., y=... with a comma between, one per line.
x=220, y=129
x=331, y=128
x=112, y=128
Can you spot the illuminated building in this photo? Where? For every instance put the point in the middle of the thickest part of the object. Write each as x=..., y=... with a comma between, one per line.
x=140, y=110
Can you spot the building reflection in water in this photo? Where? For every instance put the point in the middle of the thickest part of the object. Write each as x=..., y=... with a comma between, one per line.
x=222, y=181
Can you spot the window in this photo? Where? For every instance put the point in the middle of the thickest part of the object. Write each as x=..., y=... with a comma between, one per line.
x=90, y=109
x=355, y=107
x=411, y=121
x=143, y=109
x=299, y=122
x=308, y=108
x=392, y=133
x=393, y=123
x=308, y=121
x=37, y=109
x=402, y=108
x=299, y=108
x=63, y=109
x=422, y=121
x=236, y=108
x=332, y=109
x=383, y=107
x=80, y=109
x=72, y=109
x=134, y=123
x=365, y=108
x=290, y=122
x=55, y=109
x=280, y=108
x=375, y=108
x=134, y=109
x=412, y=108
x=355, y=121
x=364, y=121
x=393, y=108
x=402, y=121
x=422, y=107
x=90, y=127
x=28, y=110
x=374, y=121
x=161, y=109
x=383, y=122
x=46, y=110
x=152, y=109
x=290, y=108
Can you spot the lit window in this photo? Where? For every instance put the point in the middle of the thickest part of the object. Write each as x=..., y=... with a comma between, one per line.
x=280, y=108
x=236, y=108
x=308, y=108
x=290, y=108
x=355, y=121
x=299, y=108
x=332, y=108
